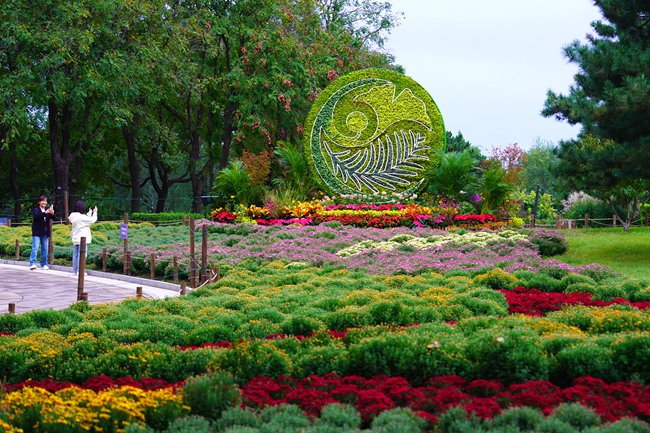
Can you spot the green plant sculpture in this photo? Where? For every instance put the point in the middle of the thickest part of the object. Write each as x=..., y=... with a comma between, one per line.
x=373, y=131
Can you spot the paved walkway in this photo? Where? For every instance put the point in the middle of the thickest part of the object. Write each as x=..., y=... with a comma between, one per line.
x=56, y=288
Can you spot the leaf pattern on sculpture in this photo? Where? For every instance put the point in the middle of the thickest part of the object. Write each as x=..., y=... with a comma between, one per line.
x=381, y=164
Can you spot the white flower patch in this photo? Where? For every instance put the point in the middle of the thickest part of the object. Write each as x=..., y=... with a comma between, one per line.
x=476, y=239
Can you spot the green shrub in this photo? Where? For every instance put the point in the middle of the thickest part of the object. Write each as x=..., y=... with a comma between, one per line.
x=340, y=416
x=549, y=242
x=497, y=279
x=512, y=355
x=607, y=292
x=585, y=360
x=300, y=325
x=483, y=302
x=573, y=278
x=347, y=318
x=389, y=313
x=321, y=360
x=211, y=394
x=577, y=415
x=630, y=355
x=257, y=329
x=523, y=418
x=552, y=425
x=210, y=333
x=624, y=425
x=283, y=418
x=539, y=280
x=581, y=287
x=255, y=358
x=12, y=323
x=457, y=420
x=398, y=420
x=237, y=416
x=190, y=424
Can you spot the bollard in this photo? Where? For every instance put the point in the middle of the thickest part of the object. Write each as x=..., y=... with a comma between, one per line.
x=12, y=308
x=138, y=292
x=183, y=288
x=204, y=253
x=586, y=221
x=17, y=250
x=153, y=266
x=128, y=263
x=175, y=270
x=104, y=259
x=83, y=297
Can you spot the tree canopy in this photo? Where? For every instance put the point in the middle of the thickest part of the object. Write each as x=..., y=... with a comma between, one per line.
x=117, y=95
x=611, y=94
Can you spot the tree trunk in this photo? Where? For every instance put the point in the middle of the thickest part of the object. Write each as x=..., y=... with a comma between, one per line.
x=134, y=168
x=13, y=181
x=61, y=156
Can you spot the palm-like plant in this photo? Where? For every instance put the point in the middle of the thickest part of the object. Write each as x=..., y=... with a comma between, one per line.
x=233, y=185
x=456, y=172
x=296, y=171
x=495, y=191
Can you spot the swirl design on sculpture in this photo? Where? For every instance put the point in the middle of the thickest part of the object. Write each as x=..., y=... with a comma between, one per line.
x=373, y=131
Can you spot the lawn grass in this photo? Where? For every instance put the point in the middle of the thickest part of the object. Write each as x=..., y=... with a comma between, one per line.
x=628, y=253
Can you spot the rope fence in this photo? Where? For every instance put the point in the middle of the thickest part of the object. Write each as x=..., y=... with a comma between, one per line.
x=193, y=269
x=587, y=222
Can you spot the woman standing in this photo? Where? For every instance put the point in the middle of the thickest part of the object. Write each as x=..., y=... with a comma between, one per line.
x=40, y=232
x=81, y=223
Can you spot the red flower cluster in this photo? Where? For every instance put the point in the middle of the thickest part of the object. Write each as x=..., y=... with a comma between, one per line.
x=474, y=219
x=533, y=302
x=366, y=220
x=224, y=217
x=485, y=398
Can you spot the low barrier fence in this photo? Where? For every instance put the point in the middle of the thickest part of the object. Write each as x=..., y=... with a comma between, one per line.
x=199, y=271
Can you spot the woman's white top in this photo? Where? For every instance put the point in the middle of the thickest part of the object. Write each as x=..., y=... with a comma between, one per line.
x=81, y=226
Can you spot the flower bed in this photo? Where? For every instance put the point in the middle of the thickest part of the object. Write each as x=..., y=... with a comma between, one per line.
x=373, y=325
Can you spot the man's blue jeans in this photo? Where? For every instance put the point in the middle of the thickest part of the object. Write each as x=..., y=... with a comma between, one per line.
x=37, y=241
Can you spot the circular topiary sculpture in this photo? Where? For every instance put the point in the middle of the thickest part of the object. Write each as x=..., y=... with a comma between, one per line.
x=373, y=131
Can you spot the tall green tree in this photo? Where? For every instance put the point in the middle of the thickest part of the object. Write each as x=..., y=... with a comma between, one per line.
x=610, y=100
x=458, y=143
x=540, y=168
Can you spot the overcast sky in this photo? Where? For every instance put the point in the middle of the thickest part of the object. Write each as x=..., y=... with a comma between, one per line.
x=489, y=63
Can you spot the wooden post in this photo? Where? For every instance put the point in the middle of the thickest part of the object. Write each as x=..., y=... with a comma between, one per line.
x=152, y=268
x=12, y=308
x=532, y=221
x=82, y=268
x=83, y=297
x=9, y=222
x=614, y=220
x=50, y=247
x=17, y=252
x=128, y=263
x=192, y=256
x=586, y=221
x=126, y=246
x=218, y=276
x=204, y=253
x=183, y=288
x=183, y=220
x=175, y=269
x=138, y=292
x=104, y=259
x=558, y=222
